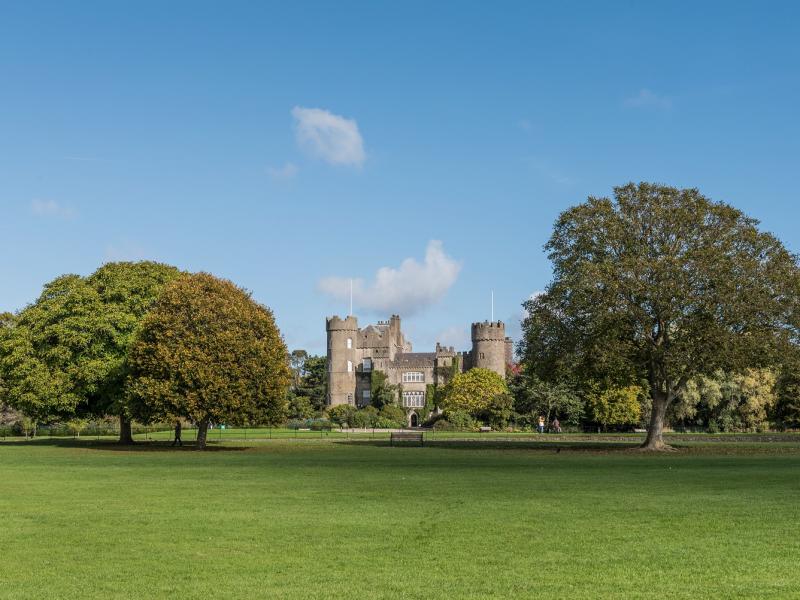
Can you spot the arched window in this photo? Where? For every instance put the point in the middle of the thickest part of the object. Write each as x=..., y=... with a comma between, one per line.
x=349, y=366
x=349, y=343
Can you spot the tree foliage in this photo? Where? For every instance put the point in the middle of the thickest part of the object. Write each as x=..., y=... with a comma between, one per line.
x=729, y=401
x=534, y=396
x=208, y=352
x=312, y=382
x=615, y=405
x=661, y=285
x=65, y=354
x=473, y=391
x=48, y=357
x=787, y=409
x=342, y=414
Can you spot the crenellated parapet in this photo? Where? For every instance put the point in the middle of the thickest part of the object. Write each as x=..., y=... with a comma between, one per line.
x=338, y=324
x=488, y=330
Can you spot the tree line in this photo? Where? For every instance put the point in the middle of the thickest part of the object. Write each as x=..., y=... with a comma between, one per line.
x=665, y=308
x=145, y=341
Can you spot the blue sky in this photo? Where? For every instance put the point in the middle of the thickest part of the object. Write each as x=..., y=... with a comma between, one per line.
x=424, y=150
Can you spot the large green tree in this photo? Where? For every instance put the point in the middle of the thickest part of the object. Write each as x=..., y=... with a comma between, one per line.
x=208, y=352
x=661, y=284
x=127, y=291
x=65, y=354
x=46, y=355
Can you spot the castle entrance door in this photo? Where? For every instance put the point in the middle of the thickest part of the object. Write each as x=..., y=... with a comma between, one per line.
x=414, y=420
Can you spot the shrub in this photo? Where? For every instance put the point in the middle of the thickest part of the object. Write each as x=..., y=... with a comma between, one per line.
x=319, y=424
x=499, y=411
x=300, y=407
x=365, y=417
x=460, y=419
x=342, y=414
x=444, y=425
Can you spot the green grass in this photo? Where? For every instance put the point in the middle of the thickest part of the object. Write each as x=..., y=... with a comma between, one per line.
x=325, y=517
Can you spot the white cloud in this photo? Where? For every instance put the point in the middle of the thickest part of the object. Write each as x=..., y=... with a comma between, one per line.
x=51, y=208
x=330, y=137
x=648, y=99
x=405, y=290
x=287, y=171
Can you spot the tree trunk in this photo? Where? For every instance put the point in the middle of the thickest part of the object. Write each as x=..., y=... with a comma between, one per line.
x=654, y=439
x=125, y=431
x=202, y=434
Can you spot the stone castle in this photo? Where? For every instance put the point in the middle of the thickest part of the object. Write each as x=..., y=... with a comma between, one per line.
x=353, y=354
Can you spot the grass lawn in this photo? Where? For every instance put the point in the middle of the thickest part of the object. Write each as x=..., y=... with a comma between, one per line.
x=332, y=518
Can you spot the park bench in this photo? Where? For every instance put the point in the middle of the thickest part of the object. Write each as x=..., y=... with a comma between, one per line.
x=406, y=436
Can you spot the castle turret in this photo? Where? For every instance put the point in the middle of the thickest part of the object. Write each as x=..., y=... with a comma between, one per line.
x=342, y=341
x=489, y=346
x=509, y=351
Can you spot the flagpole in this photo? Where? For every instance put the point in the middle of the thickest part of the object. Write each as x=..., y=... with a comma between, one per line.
x=351, y=298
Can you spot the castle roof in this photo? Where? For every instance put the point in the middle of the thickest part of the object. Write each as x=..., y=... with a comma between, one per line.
x=379, y=329
x=414, y=359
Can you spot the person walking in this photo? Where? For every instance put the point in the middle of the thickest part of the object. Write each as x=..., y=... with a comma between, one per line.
x=541, y=424
x=556, y=425
x=177, y=439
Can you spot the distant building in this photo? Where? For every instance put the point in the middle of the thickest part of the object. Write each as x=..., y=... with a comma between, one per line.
x=353, y=354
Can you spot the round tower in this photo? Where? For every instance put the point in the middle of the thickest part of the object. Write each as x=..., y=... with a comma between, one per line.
x=489, y=346
x=342, y=338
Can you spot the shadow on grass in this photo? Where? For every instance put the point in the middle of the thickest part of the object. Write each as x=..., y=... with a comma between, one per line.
x=467, y=444
x=113, y=445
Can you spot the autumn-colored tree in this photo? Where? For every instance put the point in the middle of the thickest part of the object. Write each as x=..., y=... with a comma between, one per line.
x=661, y=285
x=473, y=391
x=208, y=352
x=615, y=405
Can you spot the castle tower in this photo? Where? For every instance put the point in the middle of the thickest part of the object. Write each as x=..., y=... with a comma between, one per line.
x=342, y=341
x=489, y=346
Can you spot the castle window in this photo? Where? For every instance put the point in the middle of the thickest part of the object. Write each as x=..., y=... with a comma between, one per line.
x=367, y=365
x=349, y=366
x=482, y=356
x=349, y=398
x=413, y=377
x=366, y=396
x=349, y=343
x=413, y=399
